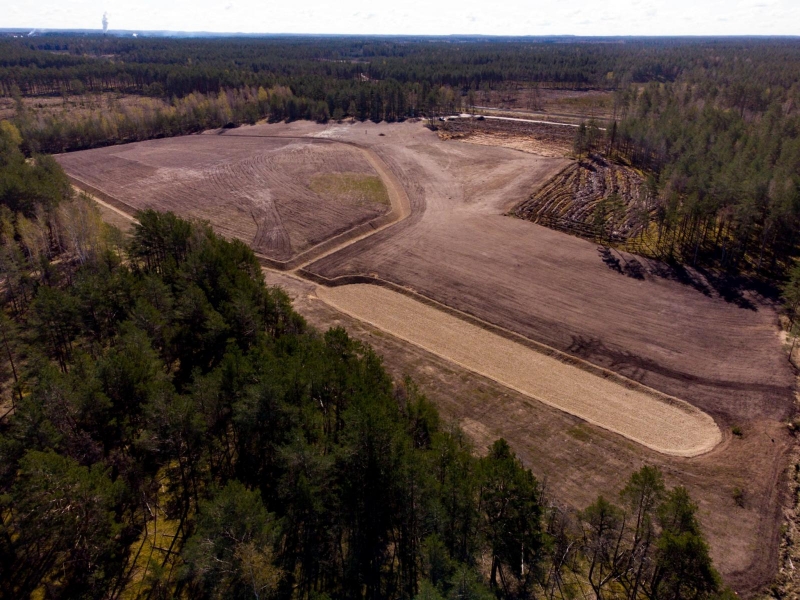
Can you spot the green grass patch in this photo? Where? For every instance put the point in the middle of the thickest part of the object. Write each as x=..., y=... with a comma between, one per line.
x=356, y=188
x=579, y=433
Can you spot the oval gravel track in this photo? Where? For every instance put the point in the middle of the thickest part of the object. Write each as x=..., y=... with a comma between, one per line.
x=664, y=424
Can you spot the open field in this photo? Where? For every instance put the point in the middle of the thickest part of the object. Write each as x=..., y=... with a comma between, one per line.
x=666, y=425
x=280, y=196
x=579, y=104
x=457, y=247
x=535, y=138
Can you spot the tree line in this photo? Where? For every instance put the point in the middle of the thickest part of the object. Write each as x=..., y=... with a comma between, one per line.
x=723, y=166
x=113, y=122
x=364, y=78
x=53, y=63
x=172, y=428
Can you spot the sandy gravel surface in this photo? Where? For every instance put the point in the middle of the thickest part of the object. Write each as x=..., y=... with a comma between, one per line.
x=675, y=428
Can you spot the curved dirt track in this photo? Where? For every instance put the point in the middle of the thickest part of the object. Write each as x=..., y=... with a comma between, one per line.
x=669, y=426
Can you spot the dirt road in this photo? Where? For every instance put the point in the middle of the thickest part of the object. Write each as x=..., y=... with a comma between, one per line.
x=519, y=120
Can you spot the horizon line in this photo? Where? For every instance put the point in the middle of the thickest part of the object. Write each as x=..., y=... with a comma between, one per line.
x=35, y=31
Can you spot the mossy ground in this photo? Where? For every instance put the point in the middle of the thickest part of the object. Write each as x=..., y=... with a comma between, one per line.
x=357, y=188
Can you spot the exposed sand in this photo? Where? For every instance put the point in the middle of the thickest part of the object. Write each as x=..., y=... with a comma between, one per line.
x=675, y=428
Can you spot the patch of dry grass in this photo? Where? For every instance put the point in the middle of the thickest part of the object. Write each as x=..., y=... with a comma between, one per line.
x=356, y=188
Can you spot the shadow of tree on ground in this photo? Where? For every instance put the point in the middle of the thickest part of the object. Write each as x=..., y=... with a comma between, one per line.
x=730, y=287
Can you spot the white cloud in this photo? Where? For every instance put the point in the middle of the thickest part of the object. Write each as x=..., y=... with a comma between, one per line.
x=514, y=17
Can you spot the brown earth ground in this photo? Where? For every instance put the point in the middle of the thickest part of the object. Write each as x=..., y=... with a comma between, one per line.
x=281, y=196
x=535, y=138
x=457, y=248
x=662, y=423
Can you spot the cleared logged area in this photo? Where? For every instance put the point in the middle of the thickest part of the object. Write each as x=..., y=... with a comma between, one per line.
x=674, y=428
x=676, y=332
x=281, y=196
x=717, y=350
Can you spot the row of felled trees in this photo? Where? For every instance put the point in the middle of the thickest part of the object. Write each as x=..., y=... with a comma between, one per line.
x=171, y=428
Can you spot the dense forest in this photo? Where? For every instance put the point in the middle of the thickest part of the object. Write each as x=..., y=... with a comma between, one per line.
x=171, y=428
x=177, y=67
x=202, y=83
x=723, y=163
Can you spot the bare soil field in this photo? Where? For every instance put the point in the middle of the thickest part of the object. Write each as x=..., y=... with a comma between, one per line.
x=591, y=198
x=458, y=248
x=535, y=138
x=677, y=332
x=281, y=196
x=664, y=424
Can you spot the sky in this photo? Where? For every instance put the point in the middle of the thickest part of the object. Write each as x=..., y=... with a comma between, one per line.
x=416, y=17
